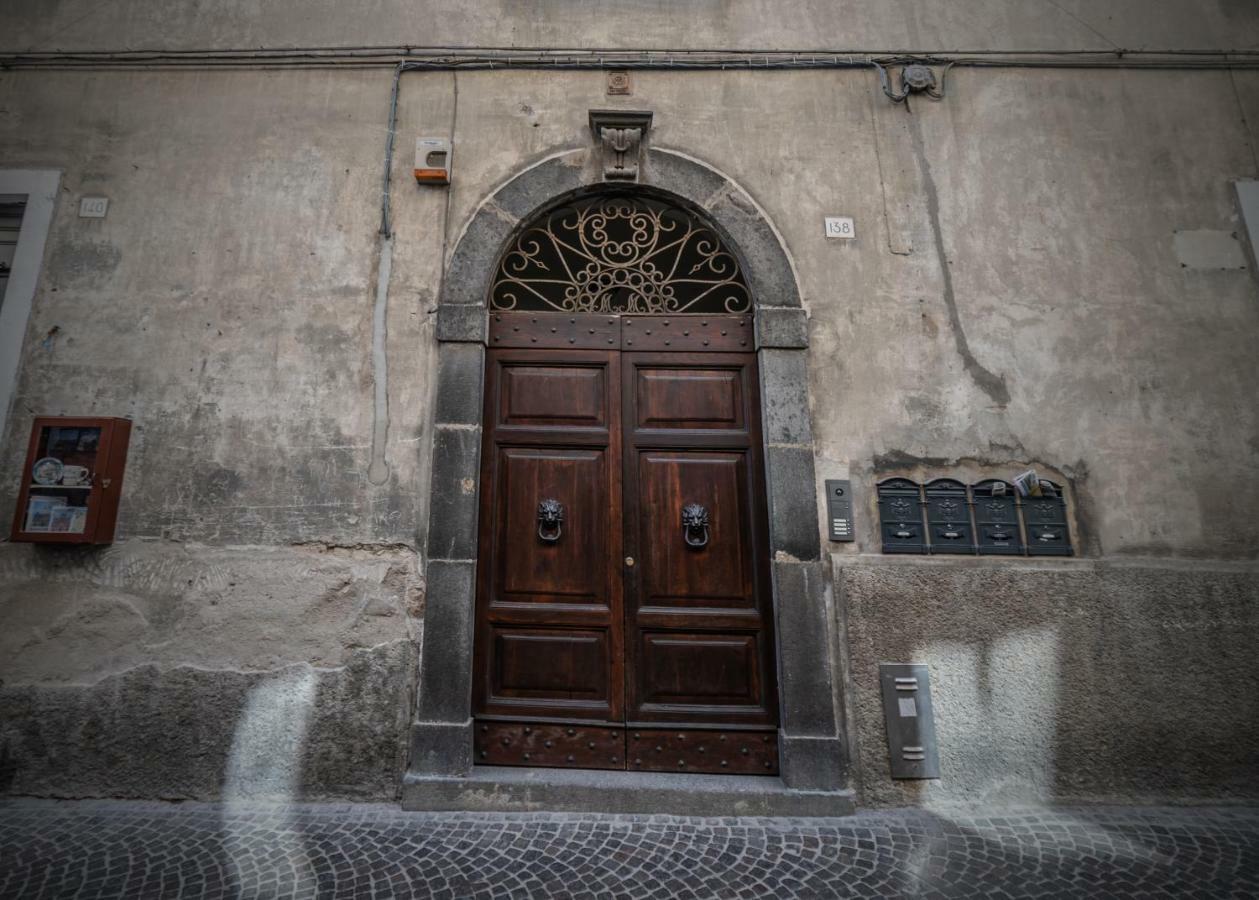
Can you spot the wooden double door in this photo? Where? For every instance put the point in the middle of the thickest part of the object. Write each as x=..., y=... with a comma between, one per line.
x=623, y=598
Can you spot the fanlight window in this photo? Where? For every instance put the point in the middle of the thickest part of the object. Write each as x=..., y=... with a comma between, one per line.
x=619, y=254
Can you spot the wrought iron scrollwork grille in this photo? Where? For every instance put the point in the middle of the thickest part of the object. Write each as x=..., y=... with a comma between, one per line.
x=619, y=254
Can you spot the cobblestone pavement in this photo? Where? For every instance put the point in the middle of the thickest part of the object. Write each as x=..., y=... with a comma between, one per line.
x=124, y=849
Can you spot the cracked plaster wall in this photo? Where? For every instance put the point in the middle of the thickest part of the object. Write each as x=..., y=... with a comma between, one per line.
x=704, y=24
x=225, y=305
x=139, y=670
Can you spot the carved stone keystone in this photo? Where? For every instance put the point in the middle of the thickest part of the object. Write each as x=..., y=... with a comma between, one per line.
x=620, y=134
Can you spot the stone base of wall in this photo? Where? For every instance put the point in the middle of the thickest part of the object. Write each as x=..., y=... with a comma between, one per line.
x=189, y=733
x=1061, y=681
x=159, y=671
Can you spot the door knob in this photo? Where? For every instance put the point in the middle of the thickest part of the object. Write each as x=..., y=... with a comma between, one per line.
x=629, y=561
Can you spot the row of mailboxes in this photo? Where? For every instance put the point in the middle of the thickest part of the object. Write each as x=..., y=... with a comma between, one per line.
x=990, y=518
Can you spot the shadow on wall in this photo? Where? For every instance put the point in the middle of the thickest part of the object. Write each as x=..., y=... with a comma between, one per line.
x=1062, y=681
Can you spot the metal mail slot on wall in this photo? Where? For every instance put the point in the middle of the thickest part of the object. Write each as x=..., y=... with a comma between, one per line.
x=997, y=518
x=1046, y=518
x=989, y=518
x=900, y=516
x=911, y=733
x=948, y=517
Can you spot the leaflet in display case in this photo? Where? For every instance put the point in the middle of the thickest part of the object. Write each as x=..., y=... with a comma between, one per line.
x=72, y=480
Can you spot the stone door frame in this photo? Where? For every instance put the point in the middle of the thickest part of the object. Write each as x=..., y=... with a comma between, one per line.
x=812, y=750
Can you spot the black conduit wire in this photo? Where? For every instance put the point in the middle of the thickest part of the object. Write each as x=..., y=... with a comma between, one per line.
x=683, y=59
x=391, y=132
x=609, y=53
x=386, y=229
x=499, y=58
x=404, y=59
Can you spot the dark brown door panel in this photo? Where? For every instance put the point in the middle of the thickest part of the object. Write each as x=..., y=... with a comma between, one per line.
x=552, y=396
x=554, y=566
x=669, y=397
x=567, y=745
x=549, y=615
x=553, y=664
x=675, y=572
x=698, y=632
x=698, y=670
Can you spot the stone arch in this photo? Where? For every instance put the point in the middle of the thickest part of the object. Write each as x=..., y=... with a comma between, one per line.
x=723, y=203
x=813, y=754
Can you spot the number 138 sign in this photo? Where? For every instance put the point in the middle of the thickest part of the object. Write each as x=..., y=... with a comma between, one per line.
x=840, y=227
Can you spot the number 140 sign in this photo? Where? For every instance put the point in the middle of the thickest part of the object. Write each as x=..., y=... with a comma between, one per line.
x=840, y=227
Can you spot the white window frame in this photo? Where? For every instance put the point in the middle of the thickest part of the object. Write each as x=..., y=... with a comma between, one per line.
x=40, y=187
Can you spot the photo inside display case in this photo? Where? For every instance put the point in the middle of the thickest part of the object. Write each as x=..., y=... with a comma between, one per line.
x=61, y=480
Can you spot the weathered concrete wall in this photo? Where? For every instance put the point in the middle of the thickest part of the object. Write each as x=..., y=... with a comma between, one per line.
x=151, y=670
x=1028, y=305
x=1014, y=298
x=746, y=24
x=1066, y=681
x=225, y=304
x=1067, y=333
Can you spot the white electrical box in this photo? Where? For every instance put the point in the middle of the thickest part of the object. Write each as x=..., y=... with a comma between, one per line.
x=432, y=161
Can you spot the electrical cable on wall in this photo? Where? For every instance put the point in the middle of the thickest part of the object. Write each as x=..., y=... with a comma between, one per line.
x=504, y=58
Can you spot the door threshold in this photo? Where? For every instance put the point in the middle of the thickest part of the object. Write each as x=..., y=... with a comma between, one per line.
x=521, y=789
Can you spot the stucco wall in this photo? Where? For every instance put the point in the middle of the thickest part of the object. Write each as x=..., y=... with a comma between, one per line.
x=226, y=303
x=1068, y=335
x=156, y=670
x=1065, y=682
x=747, y=24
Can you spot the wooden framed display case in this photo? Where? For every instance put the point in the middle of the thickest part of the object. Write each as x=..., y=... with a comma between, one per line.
x=72, y=480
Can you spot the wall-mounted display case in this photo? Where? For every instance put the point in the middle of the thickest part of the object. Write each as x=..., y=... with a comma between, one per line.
x=72, y=480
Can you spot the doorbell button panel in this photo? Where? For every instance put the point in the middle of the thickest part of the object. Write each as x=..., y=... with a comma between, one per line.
x=839, y=510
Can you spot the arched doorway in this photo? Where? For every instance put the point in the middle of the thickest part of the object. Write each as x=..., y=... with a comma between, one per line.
x=624, y=617
x=813, y=762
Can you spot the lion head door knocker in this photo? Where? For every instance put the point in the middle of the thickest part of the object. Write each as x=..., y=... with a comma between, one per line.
x=550, y=520
x=695, y=525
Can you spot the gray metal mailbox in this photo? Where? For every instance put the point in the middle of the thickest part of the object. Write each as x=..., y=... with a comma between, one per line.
x=948, y=517
x=1046, y=519
x=900, y=516
x=997, y=518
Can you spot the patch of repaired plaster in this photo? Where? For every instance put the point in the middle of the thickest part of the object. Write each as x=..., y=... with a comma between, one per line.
x=991, y=384
x=1207, y=249
x=378, y=471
